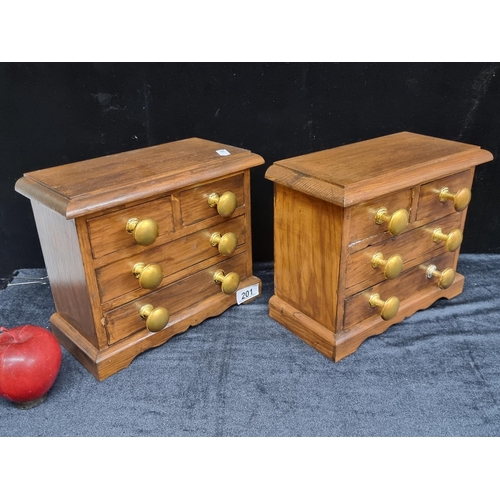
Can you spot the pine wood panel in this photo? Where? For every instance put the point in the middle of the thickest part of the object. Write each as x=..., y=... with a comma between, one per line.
x=64, y=264
x=306, y=230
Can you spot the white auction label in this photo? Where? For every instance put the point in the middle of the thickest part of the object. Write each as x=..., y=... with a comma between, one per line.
x=222, y=152
x=247, y=293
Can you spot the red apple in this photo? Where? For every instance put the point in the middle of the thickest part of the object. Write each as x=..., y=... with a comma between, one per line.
x=30, y=358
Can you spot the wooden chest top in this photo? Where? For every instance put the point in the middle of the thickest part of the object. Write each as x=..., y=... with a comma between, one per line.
x=357, y=172
x=92, y=185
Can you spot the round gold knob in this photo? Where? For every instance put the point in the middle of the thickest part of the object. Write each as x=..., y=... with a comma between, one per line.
x=461, y=198
x=156, y=318
x=144, y=231
x=149, y=275
x=445, y=278
x=397, y=222
x=390, y=307
x=453, y=239
x=226, y=203
x=226, y=244
x=392, y=266
x=228, y=282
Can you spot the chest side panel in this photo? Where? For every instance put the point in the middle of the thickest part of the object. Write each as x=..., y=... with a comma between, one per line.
x=65, y=267
x=308, y=236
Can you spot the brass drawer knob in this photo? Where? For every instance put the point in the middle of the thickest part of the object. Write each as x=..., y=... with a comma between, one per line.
x=392, y=266
x=228, y=282
x=452, y=240
x=445, y=278
x=144, y=231
x=156, y=318
x=226, y=244
x=461, y=198
x=397, y=222
x=149, y=275
x=389, y=307
x=225, y=203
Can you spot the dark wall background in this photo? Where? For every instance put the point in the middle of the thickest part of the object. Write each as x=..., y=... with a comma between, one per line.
x=56, y=113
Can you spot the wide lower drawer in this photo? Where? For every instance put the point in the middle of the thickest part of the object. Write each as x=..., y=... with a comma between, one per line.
x=116, y=279
x=126, y=320
x=413, y=247
x=357, y=307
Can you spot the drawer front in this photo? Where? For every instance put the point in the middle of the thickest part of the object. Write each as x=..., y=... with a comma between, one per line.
x=429, y=204
x=194, y=201
x=125, y=320
x=357, y=307
x=413, y=247
x=108, y=232
x=116, y=279
x=363, y=215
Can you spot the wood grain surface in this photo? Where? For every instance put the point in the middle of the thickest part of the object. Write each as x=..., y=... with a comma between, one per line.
x=116, y=179
x=357, y=172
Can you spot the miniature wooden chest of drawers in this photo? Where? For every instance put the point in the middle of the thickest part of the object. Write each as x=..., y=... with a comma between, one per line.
x=139, y=246
x=367, y=234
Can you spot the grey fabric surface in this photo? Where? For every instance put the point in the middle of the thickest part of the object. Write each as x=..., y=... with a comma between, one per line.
x=243, y=374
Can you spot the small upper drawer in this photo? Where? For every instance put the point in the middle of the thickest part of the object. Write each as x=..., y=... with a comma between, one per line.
x=194, y=201
x=108, y=232
x=445, y=196
x=366, y=219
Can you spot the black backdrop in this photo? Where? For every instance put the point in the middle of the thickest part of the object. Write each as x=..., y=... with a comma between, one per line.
x=56, y=113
